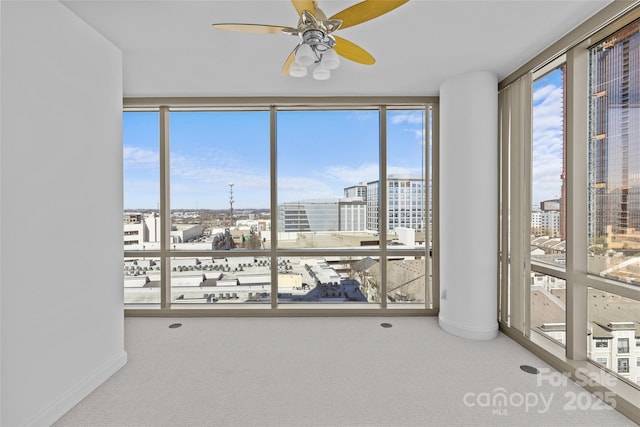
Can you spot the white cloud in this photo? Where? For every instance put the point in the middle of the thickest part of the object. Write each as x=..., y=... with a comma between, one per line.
x=298, y=188
x=547, y=143
x=548, y=112
x=412, y=117
x=217, y=168
x=351, y=176
x=543, y=92
x=399, y=170
x=137, y=158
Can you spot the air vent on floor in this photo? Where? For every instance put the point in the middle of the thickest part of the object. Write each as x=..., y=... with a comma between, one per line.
x=529, y=369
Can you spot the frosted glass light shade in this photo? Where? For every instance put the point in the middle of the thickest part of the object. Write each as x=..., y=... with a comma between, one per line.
x=305, y=55
x=297, y=70
x=330, y=60
x=321, y=73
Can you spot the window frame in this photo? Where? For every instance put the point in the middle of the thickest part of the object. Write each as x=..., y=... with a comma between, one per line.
x=623, y=365
x=515, y=259
x=623, y=346
x=164, y=106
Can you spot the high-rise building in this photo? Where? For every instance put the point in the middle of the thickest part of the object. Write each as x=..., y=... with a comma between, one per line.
x=308, y=216
x=545, y=223
x=548, y=220
x=550, y=205
x=140, y=228
x=614, y=162
x=405, y=200
x=359, y=190
x=353, y=214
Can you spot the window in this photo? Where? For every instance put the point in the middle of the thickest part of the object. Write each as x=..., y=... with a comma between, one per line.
x=559, y=133
x=548, y=165
x=614, y=156
x=276, y=205
x=141, y=165
x=623, y=365
x=610, y=318
x=315, y=171
x=623, y=345
x=219, y=166
x=548, y=309
x=408, y=139
x=546, y=210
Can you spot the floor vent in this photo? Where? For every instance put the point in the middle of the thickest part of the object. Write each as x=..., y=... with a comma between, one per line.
x=529, y=369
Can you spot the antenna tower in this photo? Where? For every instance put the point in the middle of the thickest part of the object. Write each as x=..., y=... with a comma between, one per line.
x=230, y=203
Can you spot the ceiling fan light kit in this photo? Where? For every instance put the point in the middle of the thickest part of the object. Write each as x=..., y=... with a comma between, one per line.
x=305, y=55
x=315, y=48
x=330, y=60
x=297, y=70
x=317, y=45
x=321, y=73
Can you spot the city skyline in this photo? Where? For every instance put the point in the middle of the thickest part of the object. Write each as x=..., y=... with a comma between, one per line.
x=209, y=150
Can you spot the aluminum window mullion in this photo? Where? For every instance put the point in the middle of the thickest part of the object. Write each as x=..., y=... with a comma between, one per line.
x=435, y=211
x=273, y=162
x=577, y=181
x=614, y=287
x=526, y=95
x=382, y=207
x=549, y=270
x=165, y=211
x=426, y=140
x=504, y=200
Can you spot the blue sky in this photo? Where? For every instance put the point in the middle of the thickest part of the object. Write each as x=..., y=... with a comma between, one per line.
x=547, y=137
x=319, y=154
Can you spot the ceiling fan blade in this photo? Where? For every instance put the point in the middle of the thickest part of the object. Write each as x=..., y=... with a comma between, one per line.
x=255, y=28
x=301, y=5
x=288, y=62
x=352, y=51
x=365, y=11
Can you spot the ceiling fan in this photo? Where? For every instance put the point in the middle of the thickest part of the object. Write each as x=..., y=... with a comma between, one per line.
x=317, y=44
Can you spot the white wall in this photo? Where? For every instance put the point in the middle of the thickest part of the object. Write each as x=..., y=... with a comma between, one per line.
x=469, y=205
x=61, y=167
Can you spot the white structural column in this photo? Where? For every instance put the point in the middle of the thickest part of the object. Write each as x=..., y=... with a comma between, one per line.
x=469, y=205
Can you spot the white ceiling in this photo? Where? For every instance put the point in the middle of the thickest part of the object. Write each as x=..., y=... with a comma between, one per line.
x=170, y=49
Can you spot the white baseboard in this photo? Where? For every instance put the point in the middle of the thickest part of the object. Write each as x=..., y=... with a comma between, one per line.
x=58, y=408
x=466, y=332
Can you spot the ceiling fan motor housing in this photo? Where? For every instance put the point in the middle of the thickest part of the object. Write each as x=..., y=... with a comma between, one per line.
x=318, y=39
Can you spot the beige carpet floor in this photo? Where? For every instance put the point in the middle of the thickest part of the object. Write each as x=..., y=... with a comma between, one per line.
x=328, y=372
